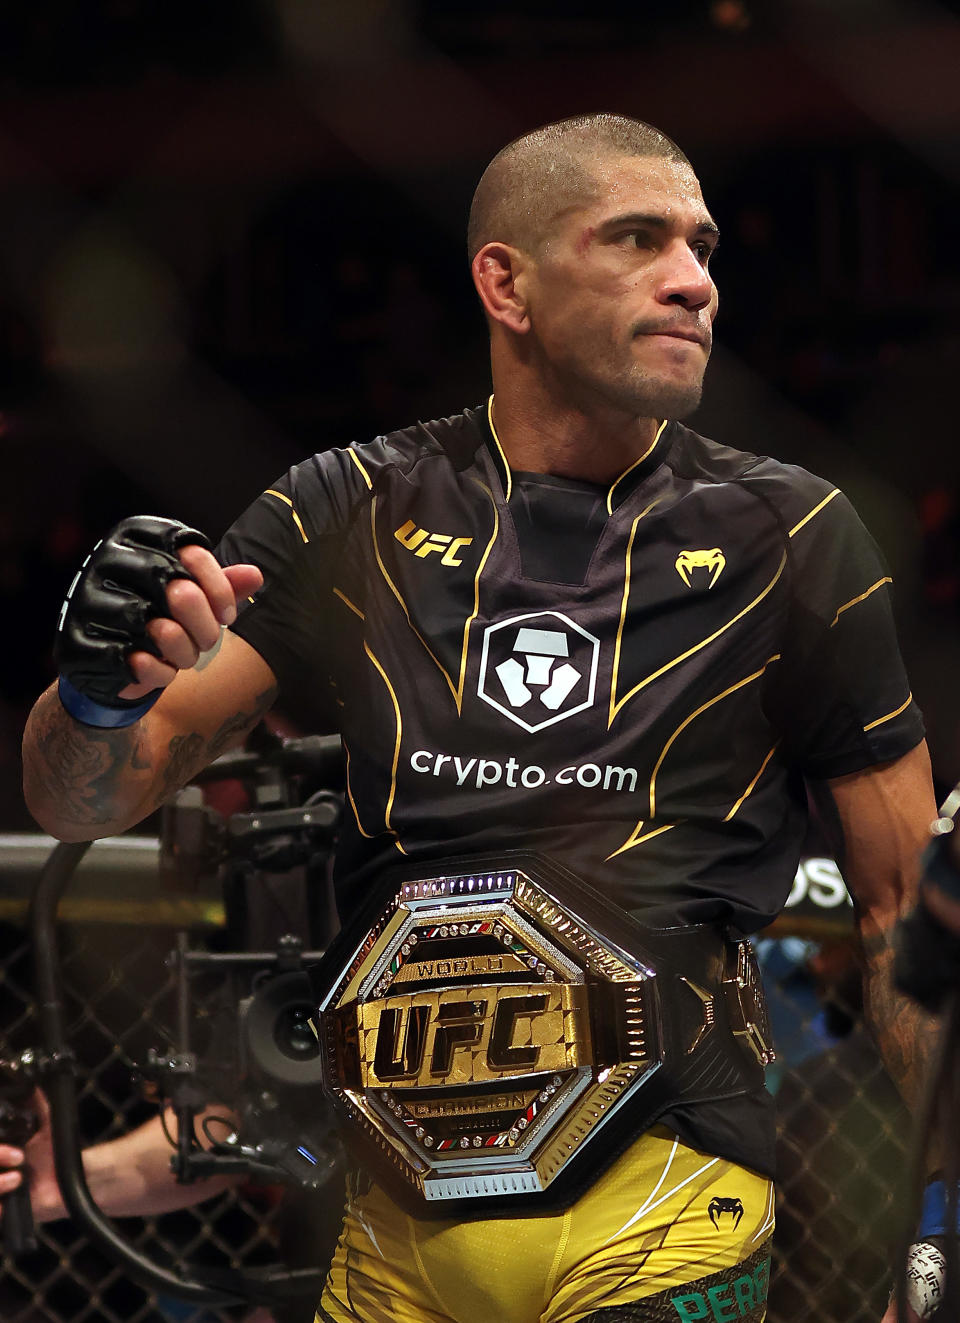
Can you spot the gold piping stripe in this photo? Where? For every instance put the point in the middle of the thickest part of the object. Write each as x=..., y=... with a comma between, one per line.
x=346, y=601
x=353, y=803
x=816, y=510
x=396, y=746
x=476, y=592
x=696, y=713
x=749, y=790
x=396, y=592
x=457, y=691
x=287, y=501
x=616, y=706
x=623, y=609
x=356, y=459
x=890, y=715
x=854, y=600
x=649, y=451
x=633, y=840
x=503, y=456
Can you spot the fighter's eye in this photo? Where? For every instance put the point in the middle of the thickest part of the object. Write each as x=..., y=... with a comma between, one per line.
x=703, y=251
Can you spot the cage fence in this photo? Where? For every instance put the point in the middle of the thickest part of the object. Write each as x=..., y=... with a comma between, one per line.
x=118, y=1004
x=842, y=1130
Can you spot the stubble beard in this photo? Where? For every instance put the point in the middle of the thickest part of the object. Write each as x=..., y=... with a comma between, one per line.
x=632, y=389
x=647, y=395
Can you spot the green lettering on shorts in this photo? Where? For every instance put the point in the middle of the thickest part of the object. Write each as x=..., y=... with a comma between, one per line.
x=724, y=1310
x=690, y=1306
x=727, y=1301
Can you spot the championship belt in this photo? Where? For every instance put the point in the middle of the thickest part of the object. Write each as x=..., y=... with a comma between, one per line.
x=491, y=1037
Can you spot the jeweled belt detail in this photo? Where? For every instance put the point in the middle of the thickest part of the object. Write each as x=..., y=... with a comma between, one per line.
x=484, y=1028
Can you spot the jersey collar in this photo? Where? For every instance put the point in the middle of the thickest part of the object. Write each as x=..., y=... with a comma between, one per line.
x=618, y=490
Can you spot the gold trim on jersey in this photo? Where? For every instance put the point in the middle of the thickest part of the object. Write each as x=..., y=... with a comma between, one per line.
x=476, y=589
x=456, y=690
x=731, y=689
x=854, y=600
x=496, y=439
x=396, y=759
x=649, y=451
x=750, y=788
x=890, y=715
x=353, y=803
x=359, y=463
x=396, y=747
x=623, y=606
x=346, y=601
x=399, y=596
x=287, y=501
x=615, y=703
x=816, y=510
x=634, y=838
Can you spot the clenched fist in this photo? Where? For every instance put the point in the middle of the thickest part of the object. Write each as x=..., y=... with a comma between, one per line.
x=146, y=602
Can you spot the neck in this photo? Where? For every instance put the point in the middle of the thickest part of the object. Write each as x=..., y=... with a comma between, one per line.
x=540, y=433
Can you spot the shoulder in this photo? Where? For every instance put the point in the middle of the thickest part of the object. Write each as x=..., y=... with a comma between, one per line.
x=793, y=494
x=349, y=473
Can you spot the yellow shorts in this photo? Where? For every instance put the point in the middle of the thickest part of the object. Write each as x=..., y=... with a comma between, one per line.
x=686, y=1233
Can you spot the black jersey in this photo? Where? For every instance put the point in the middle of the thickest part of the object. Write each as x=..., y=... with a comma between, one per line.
x=633, y=680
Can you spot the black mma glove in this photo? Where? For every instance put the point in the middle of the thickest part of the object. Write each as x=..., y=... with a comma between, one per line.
x=117, y=590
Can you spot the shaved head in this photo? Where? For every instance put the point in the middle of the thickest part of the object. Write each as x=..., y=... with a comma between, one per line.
x=535, y=178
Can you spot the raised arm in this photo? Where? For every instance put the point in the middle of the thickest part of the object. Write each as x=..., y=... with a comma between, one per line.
x=879, y=821
x=85, y=780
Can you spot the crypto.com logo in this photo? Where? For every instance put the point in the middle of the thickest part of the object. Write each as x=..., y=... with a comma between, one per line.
x=538, y=669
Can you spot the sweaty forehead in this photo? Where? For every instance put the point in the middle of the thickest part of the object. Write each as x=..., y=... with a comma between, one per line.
x=641, y=184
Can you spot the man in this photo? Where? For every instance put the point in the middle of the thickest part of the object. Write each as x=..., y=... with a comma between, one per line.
x=564, y=623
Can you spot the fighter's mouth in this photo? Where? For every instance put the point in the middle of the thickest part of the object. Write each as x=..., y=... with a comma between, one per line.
x=673, y=333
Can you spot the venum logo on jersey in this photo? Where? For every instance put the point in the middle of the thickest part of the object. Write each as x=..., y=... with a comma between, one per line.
x=538, y=669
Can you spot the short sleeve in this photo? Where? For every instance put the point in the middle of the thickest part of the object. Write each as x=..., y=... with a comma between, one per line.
x=293, y=532
x=841, y=695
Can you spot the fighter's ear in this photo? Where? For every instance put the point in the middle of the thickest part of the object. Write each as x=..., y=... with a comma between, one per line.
x=500, y=273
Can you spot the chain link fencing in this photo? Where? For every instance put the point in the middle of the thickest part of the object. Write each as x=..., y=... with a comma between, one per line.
x=843, y=1132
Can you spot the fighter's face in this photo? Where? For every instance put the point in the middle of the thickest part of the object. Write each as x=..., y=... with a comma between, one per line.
x=620, y=300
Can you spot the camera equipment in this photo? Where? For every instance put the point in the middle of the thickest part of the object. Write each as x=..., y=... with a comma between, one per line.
x=18, y=1122
x=262, y=1062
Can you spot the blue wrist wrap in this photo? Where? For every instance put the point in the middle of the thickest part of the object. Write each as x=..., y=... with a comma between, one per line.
x=933, y=1215
x=89, y=713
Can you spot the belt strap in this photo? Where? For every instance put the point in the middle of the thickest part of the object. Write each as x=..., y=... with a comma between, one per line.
x=493, y=1035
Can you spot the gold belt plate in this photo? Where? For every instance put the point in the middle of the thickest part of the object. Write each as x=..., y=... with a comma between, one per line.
x=479, y=1033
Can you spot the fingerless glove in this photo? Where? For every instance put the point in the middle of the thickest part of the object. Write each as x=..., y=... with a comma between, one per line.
x=118, y=589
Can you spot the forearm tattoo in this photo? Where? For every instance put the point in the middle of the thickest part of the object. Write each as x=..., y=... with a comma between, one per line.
x=905, y=1034
x=187, y=754
x=80, y=771
x=89, y=774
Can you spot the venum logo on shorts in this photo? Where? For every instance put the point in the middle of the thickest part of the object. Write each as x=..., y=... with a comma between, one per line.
x=720, y=1207
x=538, y=669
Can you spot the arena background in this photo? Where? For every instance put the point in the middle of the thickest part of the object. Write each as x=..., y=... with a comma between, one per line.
x=231, y=234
